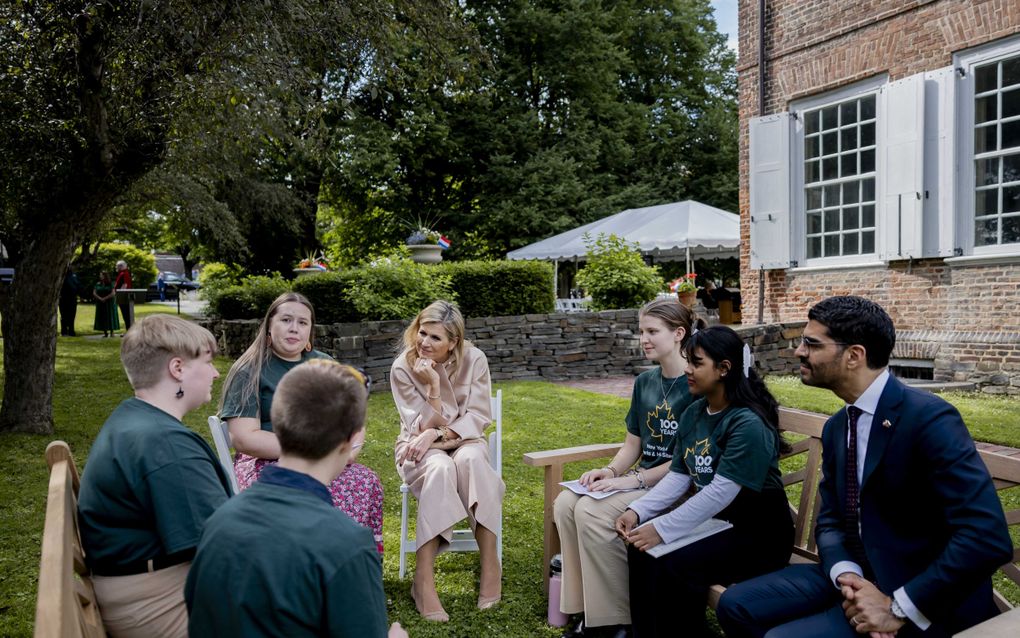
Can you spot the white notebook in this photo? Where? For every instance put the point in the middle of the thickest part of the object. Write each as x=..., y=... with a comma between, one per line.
x=706, y=529
x=577, y=488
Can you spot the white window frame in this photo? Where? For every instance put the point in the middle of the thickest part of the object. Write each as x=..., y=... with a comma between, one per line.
x=798, y=224
x=964, y=63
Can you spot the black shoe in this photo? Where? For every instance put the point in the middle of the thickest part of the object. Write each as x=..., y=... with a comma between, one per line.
x=576, y=628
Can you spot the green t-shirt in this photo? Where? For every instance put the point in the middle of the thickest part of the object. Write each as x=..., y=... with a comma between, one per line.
x=280, y=561
x=147, y=488
x=258, y=407
x=734, y=443
x=656, y=404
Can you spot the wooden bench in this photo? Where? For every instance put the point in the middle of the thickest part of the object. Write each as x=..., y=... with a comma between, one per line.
x=1005, y=471
x=66, y=604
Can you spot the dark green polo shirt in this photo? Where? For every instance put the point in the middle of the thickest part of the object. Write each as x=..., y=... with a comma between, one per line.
x=258, y=407
x=147, y=488
x=280, y=560
x=656, y=404
x=734, y=443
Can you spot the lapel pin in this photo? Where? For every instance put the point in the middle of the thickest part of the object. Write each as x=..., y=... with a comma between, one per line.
x=887, y=423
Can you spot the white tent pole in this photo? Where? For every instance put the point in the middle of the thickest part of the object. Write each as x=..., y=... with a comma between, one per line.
x=688, y=249
x=556, y=279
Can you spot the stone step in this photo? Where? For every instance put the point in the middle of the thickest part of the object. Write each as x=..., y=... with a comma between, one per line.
x=940, y=386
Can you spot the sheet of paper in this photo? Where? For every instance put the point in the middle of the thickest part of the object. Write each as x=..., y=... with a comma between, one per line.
x=577, y=488
x=706, y=529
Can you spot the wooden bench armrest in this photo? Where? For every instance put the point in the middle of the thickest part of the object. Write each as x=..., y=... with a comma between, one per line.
x=1006, y=625
x=570, y=454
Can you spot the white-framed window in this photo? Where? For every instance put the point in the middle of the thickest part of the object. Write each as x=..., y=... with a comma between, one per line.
x=988, y=136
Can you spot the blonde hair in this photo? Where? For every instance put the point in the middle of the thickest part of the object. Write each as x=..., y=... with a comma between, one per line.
x=445, y=314
x=674, y=314
x=317, y=406
x=152, y=341
x=260, y=350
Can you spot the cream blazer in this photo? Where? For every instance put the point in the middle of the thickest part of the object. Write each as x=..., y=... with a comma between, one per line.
x=465, y=398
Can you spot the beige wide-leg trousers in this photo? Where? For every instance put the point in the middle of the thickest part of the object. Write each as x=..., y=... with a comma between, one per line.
x=144, y=605
x=595, y=577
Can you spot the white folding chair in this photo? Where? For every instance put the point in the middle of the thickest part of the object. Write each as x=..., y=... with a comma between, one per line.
x=463, y=539
x=221, y=437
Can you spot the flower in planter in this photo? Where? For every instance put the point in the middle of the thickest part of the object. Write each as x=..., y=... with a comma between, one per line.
x=426, y=236
x=684, y=284
x=314, y=261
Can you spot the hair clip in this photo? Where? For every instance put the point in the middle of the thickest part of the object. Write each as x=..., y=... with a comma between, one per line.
x=748, y=359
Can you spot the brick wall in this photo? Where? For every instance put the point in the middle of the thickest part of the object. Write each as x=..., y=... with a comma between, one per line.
x=814, y=46
x=539, y=346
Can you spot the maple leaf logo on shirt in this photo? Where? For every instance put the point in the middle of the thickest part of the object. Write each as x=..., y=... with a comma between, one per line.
x=661, y=413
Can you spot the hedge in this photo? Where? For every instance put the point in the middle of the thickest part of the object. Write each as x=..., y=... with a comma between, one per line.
x=501, y=288
x=250, y=300
x=141, y=264
x=328, y=293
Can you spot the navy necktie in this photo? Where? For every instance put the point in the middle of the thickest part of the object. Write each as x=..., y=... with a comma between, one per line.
x=853, y=494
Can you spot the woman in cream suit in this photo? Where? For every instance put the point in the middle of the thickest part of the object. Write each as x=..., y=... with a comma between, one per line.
x=440, y=383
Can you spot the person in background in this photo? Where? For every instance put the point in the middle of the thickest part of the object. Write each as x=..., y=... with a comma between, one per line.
x=123, y=281
x=106, y=309
x=150, y=482
x=68, y=302
x=161, y=286
x=279, y=559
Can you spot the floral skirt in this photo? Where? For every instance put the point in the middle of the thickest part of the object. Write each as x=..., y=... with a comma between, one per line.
x=357, y=492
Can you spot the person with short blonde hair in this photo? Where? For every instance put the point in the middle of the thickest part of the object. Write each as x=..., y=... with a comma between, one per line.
x=441, y=387
x=150, y=482
x=293, y=564
x=282, y=342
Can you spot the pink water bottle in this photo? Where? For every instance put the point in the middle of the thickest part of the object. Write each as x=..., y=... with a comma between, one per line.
x=556, y=617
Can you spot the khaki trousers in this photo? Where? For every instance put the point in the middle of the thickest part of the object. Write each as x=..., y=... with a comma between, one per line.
x=595, y=576
x=144, y=605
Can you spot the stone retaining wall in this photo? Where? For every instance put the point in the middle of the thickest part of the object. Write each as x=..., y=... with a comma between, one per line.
x=538, y=346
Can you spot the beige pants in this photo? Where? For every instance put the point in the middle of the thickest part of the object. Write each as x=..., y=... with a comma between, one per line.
x=144, y=605
x=595, y=576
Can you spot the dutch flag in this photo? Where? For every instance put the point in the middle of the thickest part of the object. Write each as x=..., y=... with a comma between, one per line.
x=443, y=242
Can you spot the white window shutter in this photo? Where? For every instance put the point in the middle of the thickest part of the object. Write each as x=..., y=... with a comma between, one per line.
x=770, y=169
x=902, y=147
x=939, y=163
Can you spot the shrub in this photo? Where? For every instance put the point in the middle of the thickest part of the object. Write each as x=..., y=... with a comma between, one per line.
x=329, y=293
x=615, y=275
x=397, y=288
x=141, y=264
x=501, y=288
x=250, y=300
x=216, y=276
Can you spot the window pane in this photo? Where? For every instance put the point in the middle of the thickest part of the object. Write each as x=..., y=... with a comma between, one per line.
x=814, y=247
x=986, y=202
x=1011, y=168
x=831, y=222
x=830, y=168
x=986, y=78
x=851, y=194
x=1011, y=72
x=849, y=138
x=1010, y=103
x=831, y=245
x=868, y=134
x=867, y=218
x=829, y=118
x=814, y=223
x=985, y=138
x=1010, y=135
x=848, y=164
x=850, y=217
x=986, y=232
x=814, y=198
x=868, y=108
x=868, y=190
x=848, y=113
x=868, y=242
x=1010, y=230
x=986, y=171
x=811, y=122
x=831, y=195
x=868, y=161
x=811, y=147
x=850, y=244
x=1011, y=199
x=985, y=108
x=830, y=143
x=811, y=171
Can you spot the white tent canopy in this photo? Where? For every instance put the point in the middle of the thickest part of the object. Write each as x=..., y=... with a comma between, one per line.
x=681, y=230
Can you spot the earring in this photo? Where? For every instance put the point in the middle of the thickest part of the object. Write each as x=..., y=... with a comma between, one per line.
x=180, y=392
x=308, y=347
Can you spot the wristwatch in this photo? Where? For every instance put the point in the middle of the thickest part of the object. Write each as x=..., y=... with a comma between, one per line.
x=897, y=611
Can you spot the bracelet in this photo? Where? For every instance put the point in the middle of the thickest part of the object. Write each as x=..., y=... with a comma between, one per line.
x=613, y=470
x=438, y=396
x=640, y=480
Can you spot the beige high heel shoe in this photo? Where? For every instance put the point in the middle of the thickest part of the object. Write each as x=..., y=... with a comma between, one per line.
x=434, y=616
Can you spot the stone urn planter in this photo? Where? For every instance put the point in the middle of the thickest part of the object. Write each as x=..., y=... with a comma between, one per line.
x=426, y=253
x=301, y=272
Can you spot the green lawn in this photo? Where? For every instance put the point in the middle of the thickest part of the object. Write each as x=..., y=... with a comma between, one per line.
x=537, y=415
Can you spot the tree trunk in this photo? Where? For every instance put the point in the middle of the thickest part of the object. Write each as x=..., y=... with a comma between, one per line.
x=28, y=319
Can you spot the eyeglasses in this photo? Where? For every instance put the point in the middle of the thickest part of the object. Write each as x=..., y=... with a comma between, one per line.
x=815, y=344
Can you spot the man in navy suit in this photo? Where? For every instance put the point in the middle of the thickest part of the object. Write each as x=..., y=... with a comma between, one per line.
x=910, y=528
